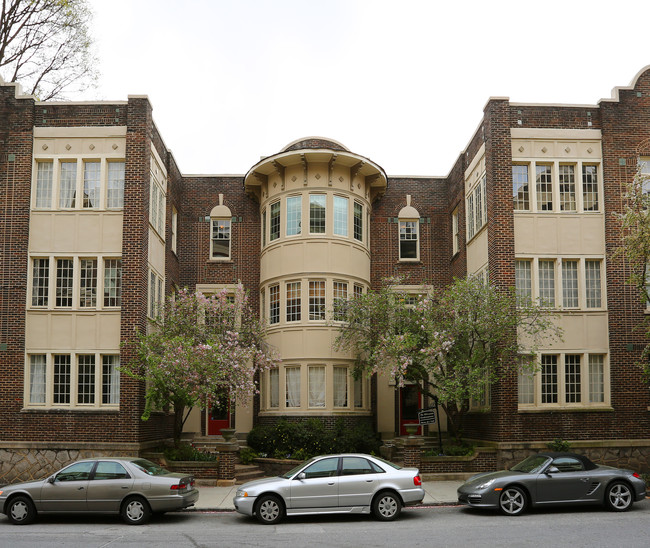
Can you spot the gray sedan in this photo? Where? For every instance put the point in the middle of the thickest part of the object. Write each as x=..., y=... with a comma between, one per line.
x=549, y=479
x=333, y=484
x=131, y=487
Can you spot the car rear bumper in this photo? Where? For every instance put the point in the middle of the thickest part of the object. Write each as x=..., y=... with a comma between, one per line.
x=412, y=497
x=174, y=502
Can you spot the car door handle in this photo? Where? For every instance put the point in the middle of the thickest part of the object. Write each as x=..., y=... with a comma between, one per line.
x=125, y=486
x=368, y=481
x=585, y=480
x=80, y=488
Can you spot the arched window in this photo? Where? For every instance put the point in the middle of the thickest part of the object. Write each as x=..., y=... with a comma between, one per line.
x=220, y=233
x=409, y=232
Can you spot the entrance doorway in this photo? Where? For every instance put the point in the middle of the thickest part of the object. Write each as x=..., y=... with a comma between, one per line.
x=219, y=416
x=410, y=402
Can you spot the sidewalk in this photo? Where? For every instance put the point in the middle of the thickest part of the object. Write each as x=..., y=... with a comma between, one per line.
x=220, y=498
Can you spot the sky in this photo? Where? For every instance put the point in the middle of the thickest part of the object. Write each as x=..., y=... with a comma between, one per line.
x=401, y=82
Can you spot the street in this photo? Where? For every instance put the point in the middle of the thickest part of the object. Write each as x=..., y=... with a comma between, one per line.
x=435, y=526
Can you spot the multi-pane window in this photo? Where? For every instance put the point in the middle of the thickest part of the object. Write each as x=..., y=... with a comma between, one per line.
x=88, y=283
x=264, y=228
x=570, y=284
x=358, y=290
x=340, y=386
x=358, y=221
x=115, y=190
x=567, y=180
x=572, y=379
x=86, y=378
x=61, y=393
x=64, y=282
x=340, y=296
x=40, y=282
x=92, y=180
x=293, y=302
x=590, y=188
x=294, y=215
x=317, y=300
x=317, y=386
x=113, y=282
x=455, y=232
x=317, y=213
x=547, y=282
x=74, y=380
x=526, y=383
x=520, y=187
x=549, y=378
x=593, y=283
x=340, y=216
x=596, y=378
x=220, y=239
x=644, y=172
x=44, y=172
x=156, y=294
x=174, y=229
x=274, y=232
x=110, y=379
x=408, y=239
x=67, y=184
x=292, y=377
x=470, y=217
x=544, y=187
x=523, y=280
x=274, y=304
x=157, y=202
x=358, y=392
x=274, y=388
x=37, y=378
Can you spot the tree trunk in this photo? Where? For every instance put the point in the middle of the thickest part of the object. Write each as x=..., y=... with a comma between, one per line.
x=179, y=409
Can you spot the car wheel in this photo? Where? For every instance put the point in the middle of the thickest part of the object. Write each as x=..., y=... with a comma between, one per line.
x=512, y=501
x=135, y=511
x=619, y=497
x=21, y=511
x=386, y=506
x=269, y=510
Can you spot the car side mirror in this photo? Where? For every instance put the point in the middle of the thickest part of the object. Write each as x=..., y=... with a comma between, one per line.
x=301, y=476
x=51, y=479
x=552, y=470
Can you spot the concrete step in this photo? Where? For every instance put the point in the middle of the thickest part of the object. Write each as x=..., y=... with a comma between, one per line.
x=247, y=472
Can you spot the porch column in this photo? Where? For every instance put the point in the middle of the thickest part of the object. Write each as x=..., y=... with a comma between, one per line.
x=413, y=452
x=226, y=469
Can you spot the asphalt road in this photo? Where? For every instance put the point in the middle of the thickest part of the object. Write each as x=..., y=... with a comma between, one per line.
x=431, y=527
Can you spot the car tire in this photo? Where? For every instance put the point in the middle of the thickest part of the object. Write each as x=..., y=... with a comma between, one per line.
x=21, y=510
x=513, y=501
x=619, y=497
x=135, y=511
x=269, y=510
x=386, y=506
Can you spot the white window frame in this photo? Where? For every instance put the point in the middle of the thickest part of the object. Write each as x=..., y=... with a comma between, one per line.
x=404, y=225
x=46, y=382
x=220, y=224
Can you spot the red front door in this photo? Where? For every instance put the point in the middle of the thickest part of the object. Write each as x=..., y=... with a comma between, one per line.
x=410, y=402
x=219, y=416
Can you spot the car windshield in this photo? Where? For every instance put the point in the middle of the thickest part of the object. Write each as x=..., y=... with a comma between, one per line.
x=149, y=467
x=531, y=465
x=293, y=471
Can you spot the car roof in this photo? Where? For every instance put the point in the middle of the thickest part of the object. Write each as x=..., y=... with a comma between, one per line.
x=588, y=464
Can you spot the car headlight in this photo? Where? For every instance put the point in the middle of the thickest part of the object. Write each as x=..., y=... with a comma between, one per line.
x=240, y=493
x=485, y=484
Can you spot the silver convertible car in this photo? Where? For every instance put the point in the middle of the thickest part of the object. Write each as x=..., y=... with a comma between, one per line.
x=333, y=484
x=132, y=487
x=548, y=479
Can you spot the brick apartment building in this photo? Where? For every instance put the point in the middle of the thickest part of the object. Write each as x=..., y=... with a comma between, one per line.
x=98, y=224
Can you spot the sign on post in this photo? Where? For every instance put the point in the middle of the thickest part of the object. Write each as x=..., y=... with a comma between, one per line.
x=427, y=416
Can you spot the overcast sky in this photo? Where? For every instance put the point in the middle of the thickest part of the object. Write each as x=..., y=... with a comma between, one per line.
x=403, y=82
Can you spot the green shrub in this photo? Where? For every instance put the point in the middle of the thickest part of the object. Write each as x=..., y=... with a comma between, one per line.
x=301, y=440
x=559, y=445
x=186, y=451
x=458, y=450
x=247, y=455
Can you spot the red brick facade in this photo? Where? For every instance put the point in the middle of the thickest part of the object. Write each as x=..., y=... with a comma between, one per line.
x=625, y=126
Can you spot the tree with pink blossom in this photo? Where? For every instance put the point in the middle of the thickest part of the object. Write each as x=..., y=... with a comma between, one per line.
x=198, y=348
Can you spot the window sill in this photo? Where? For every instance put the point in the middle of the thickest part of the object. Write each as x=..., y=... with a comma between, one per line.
x=66, y=410
x=411, y=261
x=573, y=409
x=225, y=261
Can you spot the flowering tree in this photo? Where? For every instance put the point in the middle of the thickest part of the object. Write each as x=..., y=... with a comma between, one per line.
x=200, y=347
x=454, y=343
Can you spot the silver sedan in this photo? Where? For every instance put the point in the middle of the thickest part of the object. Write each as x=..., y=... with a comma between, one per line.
x=333, y=484
x=132, y=487
x=551, y=479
